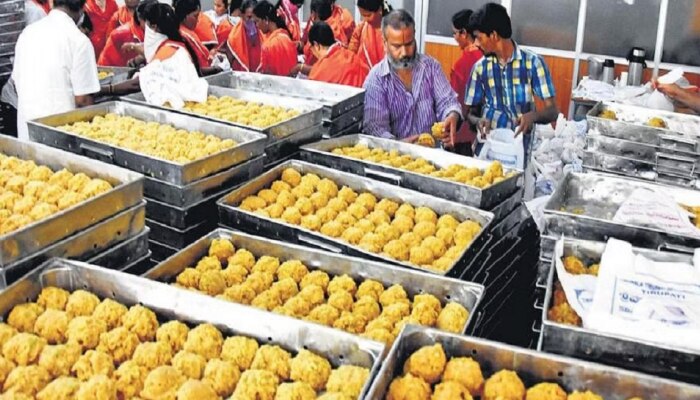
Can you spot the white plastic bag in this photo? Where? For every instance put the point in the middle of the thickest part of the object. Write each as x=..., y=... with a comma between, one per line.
x=502, y=145
x=580, y=290
x=172, y=81
x=221, y=61
x=649, y=208
x=644, y=299
x=658, y=101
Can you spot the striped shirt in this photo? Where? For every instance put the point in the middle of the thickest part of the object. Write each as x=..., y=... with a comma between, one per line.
x=393, y=112
x=507, y=90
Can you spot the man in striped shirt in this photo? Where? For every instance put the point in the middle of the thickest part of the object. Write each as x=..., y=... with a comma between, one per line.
x=506, y=78
x=407, y=92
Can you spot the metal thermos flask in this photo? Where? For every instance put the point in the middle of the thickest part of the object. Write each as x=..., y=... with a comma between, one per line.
x=608, y=71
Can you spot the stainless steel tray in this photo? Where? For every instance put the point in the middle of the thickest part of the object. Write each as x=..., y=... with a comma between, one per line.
x=250, y=144
x=531, y=366
x=232, y=216
x=171, y=303
x=127, y=192
x=82, y=245
x=637, y=169
x=193, y=193
x=277, y=150
x=599, y=196
x=124, y=253
x=139, y=266
x=681, y=134
x=159, y=251
x=446, y=289
x=336, y=99
x=184, y=217
x=486, y=198
x=344, y=121
x=179, y=238
x=625, y=352
x=119, y=74
x=310, y=111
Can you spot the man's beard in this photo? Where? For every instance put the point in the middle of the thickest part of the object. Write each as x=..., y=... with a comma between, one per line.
x=403, y=63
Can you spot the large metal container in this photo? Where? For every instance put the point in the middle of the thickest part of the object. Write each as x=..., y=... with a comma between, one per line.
x=663, y=169
x=82, y=245
x=123, y=254
x=286, y=147
x=200, y=190
x=583, y=206
x=311, y=112
x=127, y=192
x=631, y=124
x=250, y=144
x=336, y=99
x=118, y=74
x=446, y=289
x=184, y=217
x=321, y=153
x=651, y=357
x=232, y=216
x=180, y=238
x=171, y=303
x=531, y=366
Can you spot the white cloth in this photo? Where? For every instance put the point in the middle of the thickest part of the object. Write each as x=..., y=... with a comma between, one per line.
x=32, y=12
x=54, y=62
x=173, y=81
x=151, y=42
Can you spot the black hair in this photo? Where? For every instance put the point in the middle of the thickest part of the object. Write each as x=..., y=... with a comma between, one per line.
x=375, y=5
x=321, y=33
x=491, y=18
x=140, y=13
x=249, y=4
x=266, y=11
x=163, y=17
x=398, y=19
x=184, y=7
x=72, y=5
x=298, y=3
x=322, y=8
x=234, y=5
x=461, y=20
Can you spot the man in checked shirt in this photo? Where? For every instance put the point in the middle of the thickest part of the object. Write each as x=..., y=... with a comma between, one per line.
x=406, y=93
x=506, y=78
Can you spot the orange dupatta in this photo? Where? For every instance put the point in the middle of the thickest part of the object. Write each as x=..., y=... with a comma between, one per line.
x=201, y=51
x=122, y=17
x=246, y=57
x=279, y=53
x=368, y=43
x=205, y=30
x=100, y=21
x=340, y=66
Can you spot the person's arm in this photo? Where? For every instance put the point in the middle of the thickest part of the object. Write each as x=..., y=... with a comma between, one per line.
x=377, y=120
x=447, y=108
x=544, y=88
x=474, y=95
x=84, y=101
x=301, y=67
x=686, y=97
x=83, y=74
x=355, y=43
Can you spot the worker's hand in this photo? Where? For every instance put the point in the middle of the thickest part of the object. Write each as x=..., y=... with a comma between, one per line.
x=132, y=48
x=525, y=123
x=450, y=129
x=410, y=139
x=136, y=62
x=295, y=71
x=126, y=87
x=484, y=127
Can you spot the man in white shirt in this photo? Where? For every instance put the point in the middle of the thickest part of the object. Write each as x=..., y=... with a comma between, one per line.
x=55, y=69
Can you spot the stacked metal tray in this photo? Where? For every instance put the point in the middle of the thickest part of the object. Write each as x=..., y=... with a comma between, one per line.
x=531, y=366
x=465, y=293
x=234, y=217
x=654, y=358
x=343, y=106
x=170, y=303
x=181, y=197
x=485, y=199
x=284, y=138
x=95, y=220
x=630, y=146
x=11, y=25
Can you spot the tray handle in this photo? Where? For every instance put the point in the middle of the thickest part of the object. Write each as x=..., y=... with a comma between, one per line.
x=97, y=153
x=317, y=243
x=383, y=176
x=673, y=142
x=538, y=305
x=672, y=158
x=674, y=248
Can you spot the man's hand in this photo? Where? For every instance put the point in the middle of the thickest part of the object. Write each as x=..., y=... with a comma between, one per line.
x=295, y=71
x=136, y=62
x=132, y=48
x=126, y=87
x=484, y=127
x=525, y=123
x=410, y=139
x=450, y=129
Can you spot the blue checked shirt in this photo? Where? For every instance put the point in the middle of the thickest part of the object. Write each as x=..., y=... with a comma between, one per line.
x=507, y=90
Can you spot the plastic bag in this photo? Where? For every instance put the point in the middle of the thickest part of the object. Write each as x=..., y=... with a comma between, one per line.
x=221, y=61
x=645, y=299
x=172, y=81
x=580, y=289
x=658, y=101
x=646, y=207
x=502, y=145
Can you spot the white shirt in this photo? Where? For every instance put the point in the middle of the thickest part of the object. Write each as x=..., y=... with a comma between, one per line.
x=54, y=62
x=32, y=12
